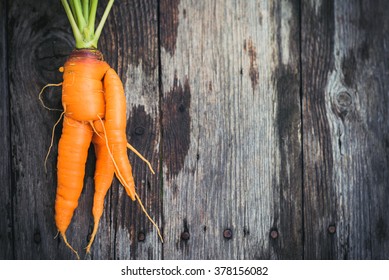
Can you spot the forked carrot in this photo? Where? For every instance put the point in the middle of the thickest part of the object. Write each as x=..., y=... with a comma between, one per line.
x=94, y=108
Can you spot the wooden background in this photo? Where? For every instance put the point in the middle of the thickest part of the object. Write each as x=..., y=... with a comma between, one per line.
x=267, y=121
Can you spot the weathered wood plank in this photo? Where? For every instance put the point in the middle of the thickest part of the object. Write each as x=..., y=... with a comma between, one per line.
x=40, y=40
x=130, y=45
x=38, y=45
x=345, y=108
x=231, y=129
x=6, y=234
x=239, y=179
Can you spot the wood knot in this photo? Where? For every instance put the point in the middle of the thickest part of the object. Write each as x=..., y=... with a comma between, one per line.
x=49, y=55
x=139, y=130
x=343, y=104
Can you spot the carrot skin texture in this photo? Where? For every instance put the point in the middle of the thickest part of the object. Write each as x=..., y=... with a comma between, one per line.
x=72, y=156
x=115, y=127
x=89, y=90
x=104, y=173
x=95, y=111
x=82, y=89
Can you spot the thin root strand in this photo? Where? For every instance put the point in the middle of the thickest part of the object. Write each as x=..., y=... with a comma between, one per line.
x=123, y=182
x=52, y=139
x=68, y=245
x=141, y=157
x=41, y=100
x=148, y=217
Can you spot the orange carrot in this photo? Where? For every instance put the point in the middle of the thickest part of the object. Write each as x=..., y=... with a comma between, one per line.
x=115, y=126
x=95, y=111
x=103, y=177
x=82, y=89
x=72, y=155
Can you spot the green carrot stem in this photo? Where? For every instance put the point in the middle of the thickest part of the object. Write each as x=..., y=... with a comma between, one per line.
x=85, y=9
x=82, y=18
x=92, y=15
x=76, y=31
x=73, y=10
x=102, y=21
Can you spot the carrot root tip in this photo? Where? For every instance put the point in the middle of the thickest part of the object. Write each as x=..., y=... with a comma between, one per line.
x=148, y=217
x=93, y=235
x=69, y=246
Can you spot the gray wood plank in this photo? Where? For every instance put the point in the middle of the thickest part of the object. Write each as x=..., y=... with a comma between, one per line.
x=40, y=41
x=345, y=109
x=247, y=168
x=38, y=45
x=6, y=234
x=130, y=45
x=231, y=130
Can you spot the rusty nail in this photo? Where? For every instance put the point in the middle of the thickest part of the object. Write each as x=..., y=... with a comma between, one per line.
x=332, y=229
x=274, y=234
x=227, y=233
x=139, y=130
x=185, y=235
x=141, y=236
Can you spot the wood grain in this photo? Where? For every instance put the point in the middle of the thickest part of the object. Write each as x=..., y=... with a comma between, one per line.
x=345, y=97
x=266, y=123
x=130, y=45
x=6, y=233
x=39, y=46
x=231, y=118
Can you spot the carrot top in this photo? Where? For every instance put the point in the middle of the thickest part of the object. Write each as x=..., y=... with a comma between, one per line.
x=82, y=17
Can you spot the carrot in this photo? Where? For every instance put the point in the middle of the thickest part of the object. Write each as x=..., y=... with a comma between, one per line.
x=104, y=173
x=115, y=126
x=103, y=178
x=94, y=111
x=82, y=89
x=72, y=155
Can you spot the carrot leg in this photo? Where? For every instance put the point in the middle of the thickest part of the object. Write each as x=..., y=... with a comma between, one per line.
x=115, y=126
x=103, y=178
x=72, y=155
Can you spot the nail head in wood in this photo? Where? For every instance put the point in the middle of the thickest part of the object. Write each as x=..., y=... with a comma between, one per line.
x=185, y=235
x=332, y=229
x=227, y=233
x=141, y=236
x=274, y=234
x=37, y=238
